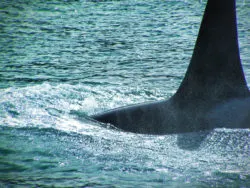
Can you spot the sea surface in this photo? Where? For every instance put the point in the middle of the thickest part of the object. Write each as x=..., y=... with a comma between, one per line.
x=62, y=61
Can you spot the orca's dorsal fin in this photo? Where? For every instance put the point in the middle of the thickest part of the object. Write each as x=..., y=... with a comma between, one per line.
x=215, y=71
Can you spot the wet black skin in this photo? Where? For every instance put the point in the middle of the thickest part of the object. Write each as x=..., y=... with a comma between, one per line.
x=214, y=80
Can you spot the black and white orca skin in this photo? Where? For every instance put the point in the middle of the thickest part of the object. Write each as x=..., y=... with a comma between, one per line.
x=213, y=93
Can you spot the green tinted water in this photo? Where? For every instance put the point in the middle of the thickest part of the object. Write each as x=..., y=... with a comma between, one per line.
x=61, y=61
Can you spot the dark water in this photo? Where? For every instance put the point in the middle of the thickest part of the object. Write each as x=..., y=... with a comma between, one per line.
x=61, y=61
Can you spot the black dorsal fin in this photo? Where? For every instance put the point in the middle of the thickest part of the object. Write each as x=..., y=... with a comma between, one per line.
x=215, y=71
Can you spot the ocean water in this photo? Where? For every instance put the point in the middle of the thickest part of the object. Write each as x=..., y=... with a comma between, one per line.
x=61, y=61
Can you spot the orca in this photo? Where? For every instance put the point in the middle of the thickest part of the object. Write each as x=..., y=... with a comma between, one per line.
x=213, y=93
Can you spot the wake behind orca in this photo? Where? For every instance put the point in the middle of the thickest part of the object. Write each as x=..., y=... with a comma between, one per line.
x=213, y=93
